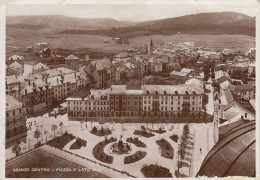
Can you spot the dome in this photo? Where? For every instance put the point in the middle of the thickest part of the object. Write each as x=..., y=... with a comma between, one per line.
x=234, y=153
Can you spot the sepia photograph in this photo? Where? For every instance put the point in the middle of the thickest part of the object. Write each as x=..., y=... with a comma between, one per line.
x=140, y=89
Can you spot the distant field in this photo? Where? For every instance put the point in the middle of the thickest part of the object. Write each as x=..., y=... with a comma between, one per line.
x=22, y=38
x=216, y=41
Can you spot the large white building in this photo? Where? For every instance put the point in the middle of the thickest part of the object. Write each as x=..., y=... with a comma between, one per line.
x=158, y=101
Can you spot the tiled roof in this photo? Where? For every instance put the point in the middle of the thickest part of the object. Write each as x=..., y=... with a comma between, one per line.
x=102, y=64
x=15, y=65
x=12, y=79
x=72, y=57
x=177, y=73
x=245, y=87
x=12, y=103
x=40, y=66
x=16, y=57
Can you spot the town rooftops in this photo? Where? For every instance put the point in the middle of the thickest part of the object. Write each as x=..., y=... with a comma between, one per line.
x=12, y=79
x=40, y=66
x=72, y=57
x=242, y=65
x=194, y=82
x=186, y=70
x=15, y=65
x=57, y=71
x=245, y=87
x=102, y=64
x=12, y=103
x=177, y=73
x=171, y=89
x=16, y=57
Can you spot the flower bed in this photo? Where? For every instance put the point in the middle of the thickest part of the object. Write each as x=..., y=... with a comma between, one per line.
x=135, y=157
x=101, y=132
x=99, y=153
x=60, y=141
x=155, y=171
x=143, y=133
x=159, y=131
x=166, y=148
x=174, y=138
x=78, y=144
x=136, y=142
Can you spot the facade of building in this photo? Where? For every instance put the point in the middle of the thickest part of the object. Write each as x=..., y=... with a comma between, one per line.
x=15, y=119
x=118, y=101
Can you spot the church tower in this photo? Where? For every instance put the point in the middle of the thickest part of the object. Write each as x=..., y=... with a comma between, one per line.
x=150, y=47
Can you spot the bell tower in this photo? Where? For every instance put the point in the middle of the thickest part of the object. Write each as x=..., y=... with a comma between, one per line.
x=150, y=47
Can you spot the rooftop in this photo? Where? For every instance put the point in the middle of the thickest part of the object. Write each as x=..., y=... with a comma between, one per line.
x=234, y=153
x=177, y=73
x=15, y=65
x=12, y=103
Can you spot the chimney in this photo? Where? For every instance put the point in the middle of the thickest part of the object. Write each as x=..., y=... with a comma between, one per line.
x=245, y=115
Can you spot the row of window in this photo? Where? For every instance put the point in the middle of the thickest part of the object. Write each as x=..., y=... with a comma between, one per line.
x=13, y=121
x=13, y=112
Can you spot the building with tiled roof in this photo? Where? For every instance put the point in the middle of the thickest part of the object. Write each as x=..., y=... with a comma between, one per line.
x=161, y=101
x=38, y=68
x=15, y=58
x=15, y=119
x=15, y=69
x=234, y=154
x=12, y=86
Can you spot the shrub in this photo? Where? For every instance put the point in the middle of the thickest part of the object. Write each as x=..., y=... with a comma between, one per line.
x=94, y=129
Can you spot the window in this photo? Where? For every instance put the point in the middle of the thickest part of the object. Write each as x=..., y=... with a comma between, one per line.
x=193, y=103
x=178, y=103
x=7, y=114
x=172, y=108
x=144, y=102
x=13, y=112
x=178, y=108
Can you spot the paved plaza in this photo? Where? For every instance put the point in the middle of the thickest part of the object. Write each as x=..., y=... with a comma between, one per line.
x=202, y=136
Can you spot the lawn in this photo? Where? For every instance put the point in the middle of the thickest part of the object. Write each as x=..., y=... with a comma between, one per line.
x=100, y=132
x=136, y=142
x=143, y=133
x=78, y=144
x=60, y=141
x=166, y=148
x=99, y=153
x=22, y=38
x=135, y=157
x=174, y=138
x=153, y=171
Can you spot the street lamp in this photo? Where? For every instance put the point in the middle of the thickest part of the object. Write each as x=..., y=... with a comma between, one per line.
x=41, y=126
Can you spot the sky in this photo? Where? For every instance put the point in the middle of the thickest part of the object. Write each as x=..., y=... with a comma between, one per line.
x=128, y=10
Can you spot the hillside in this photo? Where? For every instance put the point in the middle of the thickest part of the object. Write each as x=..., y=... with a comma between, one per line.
x=61, y=22
x=204, y=23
